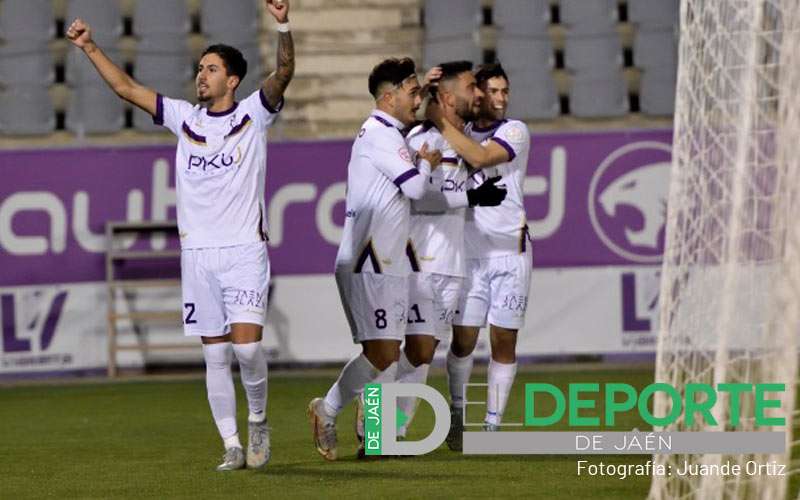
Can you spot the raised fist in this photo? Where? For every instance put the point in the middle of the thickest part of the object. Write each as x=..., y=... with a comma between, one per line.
x=79, y=33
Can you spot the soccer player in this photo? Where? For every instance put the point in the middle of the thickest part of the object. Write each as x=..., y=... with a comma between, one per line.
x=220, y=167
x=436, y=246
x=498, y=266
x=371, y=265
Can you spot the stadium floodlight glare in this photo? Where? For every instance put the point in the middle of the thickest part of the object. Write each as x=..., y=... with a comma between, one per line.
x=730, y=289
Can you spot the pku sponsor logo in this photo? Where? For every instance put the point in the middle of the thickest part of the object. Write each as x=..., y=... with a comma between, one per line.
x=217, y=161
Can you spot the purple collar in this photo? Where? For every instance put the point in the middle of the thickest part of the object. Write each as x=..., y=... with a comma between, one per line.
x=491, y=127
x=222, y=113
x=384, y=121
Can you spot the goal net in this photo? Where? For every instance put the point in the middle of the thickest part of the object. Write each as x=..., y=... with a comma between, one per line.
x=730, y=284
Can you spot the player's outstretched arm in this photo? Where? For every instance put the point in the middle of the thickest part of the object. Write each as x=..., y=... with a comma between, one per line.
x=475, y=154
x=80, y=34
x=276, y=83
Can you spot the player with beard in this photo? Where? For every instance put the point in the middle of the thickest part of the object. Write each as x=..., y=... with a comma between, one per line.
x=436, y=246
x=498, y=258
x=220, y=169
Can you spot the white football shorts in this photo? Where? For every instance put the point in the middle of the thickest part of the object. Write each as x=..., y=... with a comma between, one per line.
x=222, y=286
x=495, y=289
x=432, y=303
x=375, y=304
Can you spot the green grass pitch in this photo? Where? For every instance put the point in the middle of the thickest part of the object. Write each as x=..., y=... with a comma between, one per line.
x=156, y=439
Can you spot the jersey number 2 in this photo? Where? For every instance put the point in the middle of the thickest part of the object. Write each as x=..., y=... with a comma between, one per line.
x=189, y=306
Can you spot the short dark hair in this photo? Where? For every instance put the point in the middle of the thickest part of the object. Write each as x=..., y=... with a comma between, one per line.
x=391, y=70
x=487, y=71
x=454, y=68
x=234, y=61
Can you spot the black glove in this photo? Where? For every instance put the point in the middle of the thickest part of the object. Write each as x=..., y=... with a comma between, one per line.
x=487, y=194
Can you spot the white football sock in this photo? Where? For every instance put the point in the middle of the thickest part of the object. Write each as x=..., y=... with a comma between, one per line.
x=253, y=371
x=221, y=394
x=410, y=374
x=458, y=372
x=501, y=378
x=355, y=374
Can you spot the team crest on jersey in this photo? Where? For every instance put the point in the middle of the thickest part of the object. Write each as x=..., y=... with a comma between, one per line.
x=515, y=134
x=404, y=154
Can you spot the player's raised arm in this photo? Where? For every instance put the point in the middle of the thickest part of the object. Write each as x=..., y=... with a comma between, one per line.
x=276, y=83
x=80, y=34
x=475, y=154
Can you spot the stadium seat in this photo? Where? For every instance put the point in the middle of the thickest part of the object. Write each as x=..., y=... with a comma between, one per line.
x=26, y=61
x=654, y=12
x=447, y=19
x=160, y=17
x=95, y=109
x=598, y=95
x=104, y=16
x=170, y=88
x=30, y=20
x=78, y=68
x=657, y=92
x=26, y=110
x=655, y=48
x=163, y=56
x=592, y=51
x=453, y=49
x=522, y=17
x=592, y=16
x=229, y=22
x=521, y=52
x=534, y=95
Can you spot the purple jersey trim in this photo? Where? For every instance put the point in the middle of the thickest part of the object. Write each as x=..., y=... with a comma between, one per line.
x=223, y=113
x=266, y=105
x=411, y=172
x=158, y=118
x=506, y=146
x=384, y=121
x=491, y=127
x=454, y=161
x=195, y=137
x=238, y=128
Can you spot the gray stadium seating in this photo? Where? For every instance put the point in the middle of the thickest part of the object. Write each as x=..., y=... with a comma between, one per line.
x=598, y=95
x=533, y=95
x=657, y=92
x=95, y=109
x=592, y=51
x=161, y=57
x=104, y=16
x=26, y=62
x=450, y=31
x=452, y=49
x=170, y=88
x=160, y=17
x=589, y=16
x=522, y=17
x=654, y=12
x=26, y=110
x=229, y=22
x=445, y=18
x=78, y=68
x=655, y=48
x=30, y=20
x=521, y=52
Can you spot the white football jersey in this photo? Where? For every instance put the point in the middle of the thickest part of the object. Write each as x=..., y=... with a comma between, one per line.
x=377, y=213
x=501, y=230
x=220, y=169
x=437, y=235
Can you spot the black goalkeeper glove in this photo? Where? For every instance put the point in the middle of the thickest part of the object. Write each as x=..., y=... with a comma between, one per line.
x=487, y=194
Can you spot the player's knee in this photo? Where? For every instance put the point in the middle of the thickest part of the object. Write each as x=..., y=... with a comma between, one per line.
x=419, y=356
x=382, y=354
x=246, y=353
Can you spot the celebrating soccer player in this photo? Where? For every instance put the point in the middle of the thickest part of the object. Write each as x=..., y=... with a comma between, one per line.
x=436, y=246
x=220, y=169
x=498, y=266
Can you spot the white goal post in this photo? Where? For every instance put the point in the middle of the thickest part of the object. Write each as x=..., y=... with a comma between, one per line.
x=730, y=284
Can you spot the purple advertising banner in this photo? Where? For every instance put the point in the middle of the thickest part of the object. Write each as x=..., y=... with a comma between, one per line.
x=593, y=199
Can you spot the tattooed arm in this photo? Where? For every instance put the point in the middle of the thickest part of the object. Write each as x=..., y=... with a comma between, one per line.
x=276, y=83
